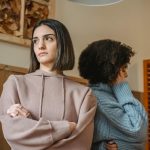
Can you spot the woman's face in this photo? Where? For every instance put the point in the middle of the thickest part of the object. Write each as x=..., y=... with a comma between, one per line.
x=122, y=75
x=45, y=46
x=124, y=71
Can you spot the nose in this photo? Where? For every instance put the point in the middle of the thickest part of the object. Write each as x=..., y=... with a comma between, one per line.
x=41, y=44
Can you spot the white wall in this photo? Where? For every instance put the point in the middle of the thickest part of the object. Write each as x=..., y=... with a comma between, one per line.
x=128, y=21
x=14, y=55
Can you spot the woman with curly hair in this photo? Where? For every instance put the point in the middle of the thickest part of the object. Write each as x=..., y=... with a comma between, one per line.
x=120, y=117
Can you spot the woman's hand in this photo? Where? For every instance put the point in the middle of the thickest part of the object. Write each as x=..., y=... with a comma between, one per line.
x=72, y=126
x=18, y=110
x=111, y=145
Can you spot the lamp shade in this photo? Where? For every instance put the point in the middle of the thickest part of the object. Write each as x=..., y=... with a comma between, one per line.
x=96, y=2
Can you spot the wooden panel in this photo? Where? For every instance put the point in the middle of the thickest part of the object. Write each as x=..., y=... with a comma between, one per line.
x=80, y=80
x=146, y=67
x=139, y=96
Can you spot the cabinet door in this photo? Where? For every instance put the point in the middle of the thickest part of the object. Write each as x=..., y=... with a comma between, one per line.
x=147, y=95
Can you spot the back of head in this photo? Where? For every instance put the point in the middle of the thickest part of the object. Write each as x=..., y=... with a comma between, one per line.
x=65, y=51
x=101, y=60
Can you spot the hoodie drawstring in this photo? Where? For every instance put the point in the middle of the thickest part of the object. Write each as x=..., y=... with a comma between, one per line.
x=41, y=98
x=63, y=87
x=42, y=95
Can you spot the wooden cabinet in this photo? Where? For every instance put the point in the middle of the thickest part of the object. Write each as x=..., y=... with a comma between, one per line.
x=5, y=71
x=146, y=67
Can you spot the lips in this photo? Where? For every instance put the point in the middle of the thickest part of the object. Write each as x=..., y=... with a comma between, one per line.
x=42, y=54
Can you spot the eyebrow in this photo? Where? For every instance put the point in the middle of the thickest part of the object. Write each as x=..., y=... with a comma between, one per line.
x=44, y=35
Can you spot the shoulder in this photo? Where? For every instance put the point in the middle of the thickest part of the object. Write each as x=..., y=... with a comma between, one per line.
x=80, y=91
x=12, y=79
x=16, y=77
x=77, y=86
x=11, y=83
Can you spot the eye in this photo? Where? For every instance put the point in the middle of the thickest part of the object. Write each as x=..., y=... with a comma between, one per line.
x=49, y=38
x=35, y=41
x=126, y=66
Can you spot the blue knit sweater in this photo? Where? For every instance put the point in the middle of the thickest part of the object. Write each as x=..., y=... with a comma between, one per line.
x=120, y=116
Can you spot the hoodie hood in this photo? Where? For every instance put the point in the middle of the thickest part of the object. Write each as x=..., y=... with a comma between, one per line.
x=40, y=72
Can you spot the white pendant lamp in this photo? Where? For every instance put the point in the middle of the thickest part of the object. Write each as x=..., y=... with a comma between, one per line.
x=96, y=2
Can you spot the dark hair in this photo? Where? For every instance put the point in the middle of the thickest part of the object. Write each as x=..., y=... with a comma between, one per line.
x=101, y=60
x=65, y=54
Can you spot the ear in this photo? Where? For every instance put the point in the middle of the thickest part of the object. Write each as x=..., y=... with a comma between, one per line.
x=123, y=72
x=120, y=73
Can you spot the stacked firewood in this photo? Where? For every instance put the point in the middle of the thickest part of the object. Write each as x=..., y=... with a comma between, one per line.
x=10, y=16
x=34, y=11
x=18, y=23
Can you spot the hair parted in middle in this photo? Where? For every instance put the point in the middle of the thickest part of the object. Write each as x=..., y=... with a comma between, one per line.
x=65, y=55
x=101, y=60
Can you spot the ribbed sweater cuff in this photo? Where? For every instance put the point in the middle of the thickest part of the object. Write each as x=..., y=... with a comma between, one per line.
x=123, y=93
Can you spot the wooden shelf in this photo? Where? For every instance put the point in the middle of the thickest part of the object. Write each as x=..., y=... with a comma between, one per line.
x=14, y=40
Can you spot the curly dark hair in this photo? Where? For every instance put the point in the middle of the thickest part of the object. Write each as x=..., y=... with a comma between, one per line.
x=101, y=60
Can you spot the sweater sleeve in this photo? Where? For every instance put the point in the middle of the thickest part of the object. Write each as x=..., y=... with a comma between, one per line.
x=25, y=133
x=135, y=114
x=124, y=112
x=85, y=126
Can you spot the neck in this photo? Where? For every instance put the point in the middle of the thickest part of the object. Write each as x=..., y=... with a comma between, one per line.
x=47, y=69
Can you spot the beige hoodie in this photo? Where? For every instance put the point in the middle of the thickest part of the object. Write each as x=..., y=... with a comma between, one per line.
x=53, y=100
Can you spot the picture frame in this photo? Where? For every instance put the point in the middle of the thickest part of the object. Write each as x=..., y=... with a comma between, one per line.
x=17, y=18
